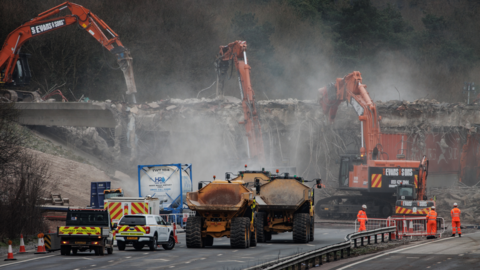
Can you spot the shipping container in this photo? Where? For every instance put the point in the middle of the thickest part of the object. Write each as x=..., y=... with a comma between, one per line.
x=96, y=194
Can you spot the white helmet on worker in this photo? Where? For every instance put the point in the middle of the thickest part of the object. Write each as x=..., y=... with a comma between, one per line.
x=454, y=204
x=433, y=207
x=364, y=206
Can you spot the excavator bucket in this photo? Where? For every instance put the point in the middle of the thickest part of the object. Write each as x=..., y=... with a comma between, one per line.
x=125, y=62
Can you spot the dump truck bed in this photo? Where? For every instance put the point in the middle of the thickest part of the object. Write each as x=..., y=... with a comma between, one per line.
x=219, y=196
x=282, y=194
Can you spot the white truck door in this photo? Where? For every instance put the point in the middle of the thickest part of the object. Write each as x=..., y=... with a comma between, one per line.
x=162, y=229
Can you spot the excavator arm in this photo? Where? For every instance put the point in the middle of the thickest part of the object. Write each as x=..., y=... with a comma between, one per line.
x=237, y=51
x=43, y=23
x=351, y=90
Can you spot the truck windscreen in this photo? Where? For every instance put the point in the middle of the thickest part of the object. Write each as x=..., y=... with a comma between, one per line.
x=133, y=220
x=87, y=218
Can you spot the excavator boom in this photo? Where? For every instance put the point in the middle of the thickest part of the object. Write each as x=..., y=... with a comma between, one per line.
x=43, y=23
x=237, y=51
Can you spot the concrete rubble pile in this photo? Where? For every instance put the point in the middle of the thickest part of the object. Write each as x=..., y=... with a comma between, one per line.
x=467, y=199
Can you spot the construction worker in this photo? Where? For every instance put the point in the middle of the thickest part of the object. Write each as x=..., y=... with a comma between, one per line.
x=455, y=214
x=362, y=218
x=432, y=222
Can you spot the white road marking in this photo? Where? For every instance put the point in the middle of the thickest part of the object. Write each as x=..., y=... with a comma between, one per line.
x=460, y=254
x=395, y=251
x=27, y=260
x=111, y=261
x=202, y=258
x=412, y=257
x=128, y=257
x=232, y=261
x=310, y=245
x=146, y=253
x=93, y=265
x=247, y=257
x=163, y=260
x=219, y=254
x=234, y=250
x=172, y=266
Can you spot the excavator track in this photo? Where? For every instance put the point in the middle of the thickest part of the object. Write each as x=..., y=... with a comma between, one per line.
x=347, y=206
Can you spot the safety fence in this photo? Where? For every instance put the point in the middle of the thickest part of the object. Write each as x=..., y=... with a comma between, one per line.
x=406, y=226
x=332, y=252
x=180, y=218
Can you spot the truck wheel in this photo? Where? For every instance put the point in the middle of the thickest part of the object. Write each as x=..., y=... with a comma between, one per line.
x=67, y=250
x=74, y=251
x=153, y=244
x=171, y=243
x=110, y=250
x=239, y=234
x=194, y=232
x=247, y=230
x=259, y=224
x=101, y=251
x=208, y=241
x=63, y=250
x=138, y=246
x=312, y=228
x=97, y=251
x=301, y=228
x=121, y=245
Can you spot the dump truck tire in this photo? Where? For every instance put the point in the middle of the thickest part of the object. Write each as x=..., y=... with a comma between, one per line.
x=301, y=228
x=259, y=223
x=312, y=228
x=194, y=232
x=239, y=233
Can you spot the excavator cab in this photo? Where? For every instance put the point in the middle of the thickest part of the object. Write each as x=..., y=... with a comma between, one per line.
x=346, y=166
x=406, y=192
x=21, y=74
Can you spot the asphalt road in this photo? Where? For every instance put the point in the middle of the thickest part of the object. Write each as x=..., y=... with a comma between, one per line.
x=446, y=253
x=220, y=256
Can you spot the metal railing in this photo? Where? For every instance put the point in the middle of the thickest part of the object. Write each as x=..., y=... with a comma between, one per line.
x=375, y=223
x=331, y=252
x=417, y=226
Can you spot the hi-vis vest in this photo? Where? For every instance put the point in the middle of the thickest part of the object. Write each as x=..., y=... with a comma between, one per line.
x=362, y=215
x=432, y=215
x=455, y=213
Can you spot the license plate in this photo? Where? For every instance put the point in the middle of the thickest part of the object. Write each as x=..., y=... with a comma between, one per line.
x=132, y=238
x=81, y=243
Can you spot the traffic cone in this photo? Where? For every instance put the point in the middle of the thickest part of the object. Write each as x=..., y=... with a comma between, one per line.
x=22, y=244
x=10, y=252
x=410, y=228
x=175, y=233
x=41, y=245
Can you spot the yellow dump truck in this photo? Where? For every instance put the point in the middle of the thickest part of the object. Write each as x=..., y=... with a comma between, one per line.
x=86, y=229
x=223, y=209
x=284, y=203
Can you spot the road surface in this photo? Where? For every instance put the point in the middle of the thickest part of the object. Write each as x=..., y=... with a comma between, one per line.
x=220, y=256
x=445, y=253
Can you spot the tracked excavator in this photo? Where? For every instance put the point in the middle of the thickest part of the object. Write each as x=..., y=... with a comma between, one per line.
x=14, y=69
x=387, y=187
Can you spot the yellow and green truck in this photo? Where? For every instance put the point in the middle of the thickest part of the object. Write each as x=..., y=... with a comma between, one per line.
x=86, y=229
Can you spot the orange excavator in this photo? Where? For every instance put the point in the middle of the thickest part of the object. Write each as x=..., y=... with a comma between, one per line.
x=237, y=51
x=377, y=179
x=14, y=69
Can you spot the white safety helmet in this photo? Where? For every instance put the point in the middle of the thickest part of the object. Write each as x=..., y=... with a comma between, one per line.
x=454, y=204
x=433, y=207
x=364, y=206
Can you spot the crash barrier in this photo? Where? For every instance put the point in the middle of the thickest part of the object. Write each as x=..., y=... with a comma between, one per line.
x=406, y=226
x=310, y=258
x=52, y=241
x=180, y=218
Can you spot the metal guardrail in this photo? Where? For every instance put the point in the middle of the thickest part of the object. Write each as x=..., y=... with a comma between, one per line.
x=328, y=251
